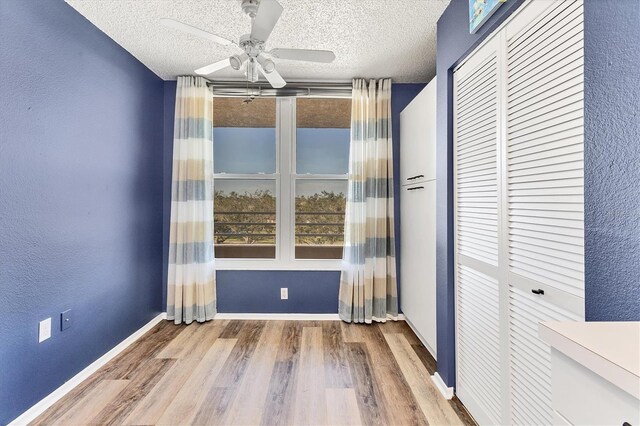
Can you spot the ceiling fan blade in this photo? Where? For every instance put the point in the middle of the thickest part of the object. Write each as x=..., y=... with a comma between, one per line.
x=268, y=14
x=274, y=78
x=308, y=55
x=172, y=23
x=216, y=66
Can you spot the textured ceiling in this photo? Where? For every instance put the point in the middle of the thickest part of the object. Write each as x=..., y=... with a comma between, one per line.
x=371, y=38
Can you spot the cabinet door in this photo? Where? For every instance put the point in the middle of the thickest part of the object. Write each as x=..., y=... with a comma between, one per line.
x=544, y=162
x=531, y=398
x=418, y=137
x=418, y=266
x=480, y=361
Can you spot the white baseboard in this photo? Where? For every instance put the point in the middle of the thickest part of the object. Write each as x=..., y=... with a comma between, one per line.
x=33, y=412
x=442, y=387
x=283, y=317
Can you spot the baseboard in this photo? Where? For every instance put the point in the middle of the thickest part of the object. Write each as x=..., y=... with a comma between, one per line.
x=283, y=317
x=442, y=387
x=33, y=412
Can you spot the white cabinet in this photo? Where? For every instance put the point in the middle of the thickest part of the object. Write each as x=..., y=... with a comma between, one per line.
x=418, y=221
x=595, y=372
x=418, y=136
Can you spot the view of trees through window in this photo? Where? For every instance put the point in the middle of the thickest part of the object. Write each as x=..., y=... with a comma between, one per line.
x=246, y=180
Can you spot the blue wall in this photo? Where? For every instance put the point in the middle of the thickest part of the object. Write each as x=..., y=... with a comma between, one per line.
x=314, y=292
x=612, y=155
x=612, y=160
x=80, y=199
x=259, y=291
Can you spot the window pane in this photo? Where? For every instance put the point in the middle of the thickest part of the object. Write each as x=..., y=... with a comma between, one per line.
x=244, y=136
x=322, y=136
x=245, y=218
x=319, y=227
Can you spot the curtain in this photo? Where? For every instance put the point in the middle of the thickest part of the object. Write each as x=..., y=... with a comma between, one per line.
x=368, y=288
x=191, y=276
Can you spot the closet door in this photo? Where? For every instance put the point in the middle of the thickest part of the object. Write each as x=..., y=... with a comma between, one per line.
x=476, y=136
x=544, y=128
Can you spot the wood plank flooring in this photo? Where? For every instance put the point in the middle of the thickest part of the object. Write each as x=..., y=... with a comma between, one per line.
x=264, y=373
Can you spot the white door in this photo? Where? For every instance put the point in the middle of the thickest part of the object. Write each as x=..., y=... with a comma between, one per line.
x=418, y=279
x=544, y=156
x=418, y=137
x=479, y=361
x=519, y=203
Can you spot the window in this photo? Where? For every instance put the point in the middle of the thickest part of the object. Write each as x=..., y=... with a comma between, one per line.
x=280, y=182
x=321, y=166
x=244, y=163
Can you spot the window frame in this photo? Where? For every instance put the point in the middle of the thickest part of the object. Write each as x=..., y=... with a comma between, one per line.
x=285, y=178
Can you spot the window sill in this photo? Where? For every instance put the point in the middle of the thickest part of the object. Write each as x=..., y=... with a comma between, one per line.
x=276, y=265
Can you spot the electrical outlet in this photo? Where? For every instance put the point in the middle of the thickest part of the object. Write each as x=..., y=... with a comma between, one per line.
x=65, y=320
x=44, y=330
x=284, y=293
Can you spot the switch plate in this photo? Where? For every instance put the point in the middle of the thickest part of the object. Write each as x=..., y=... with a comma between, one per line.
x=44, y=330
x=284, y=293
x=65, y=320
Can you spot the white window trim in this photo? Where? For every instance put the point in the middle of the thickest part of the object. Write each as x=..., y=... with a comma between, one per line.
x=285, y=178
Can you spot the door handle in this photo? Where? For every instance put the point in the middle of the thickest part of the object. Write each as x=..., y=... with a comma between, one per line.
x=538, y=291
x=415, y=177
x=415, y=187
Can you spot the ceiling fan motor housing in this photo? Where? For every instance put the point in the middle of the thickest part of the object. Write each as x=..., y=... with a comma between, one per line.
x=251, y=47
x=250, y=7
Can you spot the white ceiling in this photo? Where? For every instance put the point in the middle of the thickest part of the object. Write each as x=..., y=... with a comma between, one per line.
x=371, y=38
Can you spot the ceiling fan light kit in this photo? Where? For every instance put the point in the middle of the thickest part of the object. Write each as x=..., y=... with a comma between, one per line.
x=264, y=16
x=236, y=61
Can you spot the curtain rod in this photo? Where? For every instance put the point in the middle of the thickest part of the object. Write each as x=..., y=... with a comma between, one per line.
x=292, y=89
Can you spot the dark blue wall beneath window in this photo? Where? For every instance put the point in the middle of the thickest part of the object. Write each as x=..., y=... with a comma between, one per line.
x=454, y=43
x=310, y=292
x=80, y=203
x=612, y=160
x=259, y=291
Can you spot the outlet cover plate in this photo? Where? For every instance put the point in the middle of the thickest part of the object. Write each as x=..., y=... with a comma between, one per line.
x=284, y=293
x=44, y=330
x=65, y=320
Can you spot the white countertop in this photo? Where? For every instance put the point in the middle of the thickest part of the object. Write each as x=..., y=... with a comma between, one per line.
x=609, y=349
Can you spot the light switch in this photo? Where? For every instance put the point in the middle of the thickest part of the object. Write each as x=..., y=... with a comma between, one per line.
x=65, y=320
x=44, y=331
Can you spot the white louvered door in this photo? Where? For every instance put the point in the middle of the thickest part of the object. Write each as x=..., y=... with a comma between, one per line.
x=476, y=133
x=544, y=127
x=519, y=201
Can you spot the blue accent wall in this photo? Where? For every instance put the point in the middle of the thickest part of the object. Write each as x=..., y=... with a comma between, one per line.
x=454, y=43
x=310, y=292
x=80, y=196
x=259, y=291
x=612, y=155
x=612, y=160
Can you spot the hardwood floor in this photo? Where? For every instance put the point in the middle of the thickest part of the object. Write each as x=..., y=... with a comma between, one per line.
x=264, y=372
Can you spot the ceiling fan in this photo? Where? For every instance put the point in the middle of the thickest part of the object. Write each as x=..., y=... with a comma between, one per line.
x=264, y=16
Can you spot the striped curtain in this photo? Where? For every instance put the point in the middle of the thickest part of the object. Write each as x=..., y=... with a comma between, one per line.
x=191, y=287
x=368, y=288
